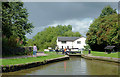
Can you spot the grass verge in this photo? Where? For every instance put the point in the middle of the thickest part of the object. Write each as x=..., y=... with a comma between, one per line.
x=96, y=53
x=50, y=55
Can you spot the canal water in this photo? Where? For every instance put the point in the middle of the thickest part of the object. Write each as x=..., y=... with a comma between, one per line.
x=74, y=66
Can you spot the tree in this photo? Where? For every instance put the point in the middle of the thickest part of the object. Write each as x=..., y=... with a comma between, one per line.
x=107, y=11
x=14, y=20
x=15, y=25
x=104, y=31
x=71, y=34
x=47, y=37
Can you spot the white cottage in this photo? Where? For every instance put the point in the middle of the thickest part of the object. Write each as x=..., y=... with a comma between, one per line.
x=71, y=42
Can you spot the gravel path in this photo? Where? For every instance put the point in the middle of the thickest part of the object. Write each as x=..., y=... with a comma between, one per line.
x=25, y=56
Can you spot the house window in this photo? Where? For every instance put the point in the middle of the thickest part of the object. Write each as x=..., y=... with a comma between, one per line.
x=72, y=46
x=67, y=47
x=78, y=42
x=64, y=42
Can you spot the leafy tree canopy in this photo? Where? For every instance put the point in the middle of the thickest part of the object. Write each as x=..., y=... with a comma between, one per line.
x=47, y=37
x=104, y=30
x=15, y=25
x=107, y=11
x=14, y=20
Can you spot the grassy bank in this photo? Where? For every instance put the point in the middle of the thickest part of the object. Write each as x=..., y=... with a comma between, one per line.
x=96, y=53
x=50, y=55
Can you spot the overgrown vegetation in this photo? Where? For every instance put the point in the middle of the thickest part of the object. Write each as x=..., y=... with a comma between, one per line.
x=104, y=30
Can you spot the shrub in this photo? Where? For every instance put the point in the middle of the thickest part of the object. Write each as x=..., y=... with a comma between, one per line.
x=11, y=47
x=87, y=47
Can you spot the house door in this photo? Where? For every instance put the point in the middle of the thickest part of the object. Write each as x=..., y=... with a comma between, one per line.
x=67, y=47
x=62, y=47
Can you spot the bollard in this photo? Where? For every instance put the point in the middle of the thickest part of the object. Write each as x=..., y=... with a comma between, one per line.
x=89, y=51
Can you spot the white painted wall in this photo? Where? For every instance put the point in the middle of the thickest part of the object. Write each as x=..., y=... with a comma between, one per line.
x=74, y=43
x=68, y=43
x=81, y=45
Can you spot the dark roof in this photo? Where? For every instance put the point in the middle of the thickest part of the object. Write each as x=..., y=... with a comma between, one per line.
x=109, y=47
x=67, y=38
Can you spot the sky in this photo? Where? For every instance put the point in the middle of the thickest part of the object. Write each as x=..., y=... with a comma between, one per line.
x=78, y=14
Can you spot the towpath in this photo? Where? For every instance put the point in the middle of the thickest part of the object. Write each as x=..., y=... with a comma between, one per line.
x=25, y=56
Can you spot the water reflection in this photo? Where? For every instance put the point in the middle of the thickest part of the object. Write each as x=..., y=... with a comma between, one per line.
x=101, y=68
x=65, y=66
x=74, y=66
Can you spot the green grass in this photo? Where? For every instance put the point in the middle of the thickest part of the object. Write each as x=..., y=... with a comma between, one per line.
x=51, y=55
x=10, y=55
x=96, y=53
x=40, y=50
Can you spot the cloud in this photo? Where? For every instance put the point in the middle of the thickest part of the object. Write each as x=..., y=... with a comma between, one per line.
x=35, y=31
x=77, y=14
x=77, y=24
x=118, y=11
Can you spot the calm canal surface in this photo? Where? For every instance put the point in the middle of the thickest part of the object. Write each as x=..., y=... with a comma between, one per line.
x=74, y=66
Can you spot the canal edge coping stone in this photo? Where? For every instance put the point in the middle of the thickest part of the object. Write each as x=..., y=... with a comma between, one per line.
x=109, y=59
x=16, y=67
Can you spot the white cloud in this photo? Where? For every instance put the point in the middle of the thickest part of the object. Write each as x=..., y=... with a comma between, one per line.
x=77, y=24
x=118, y=11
